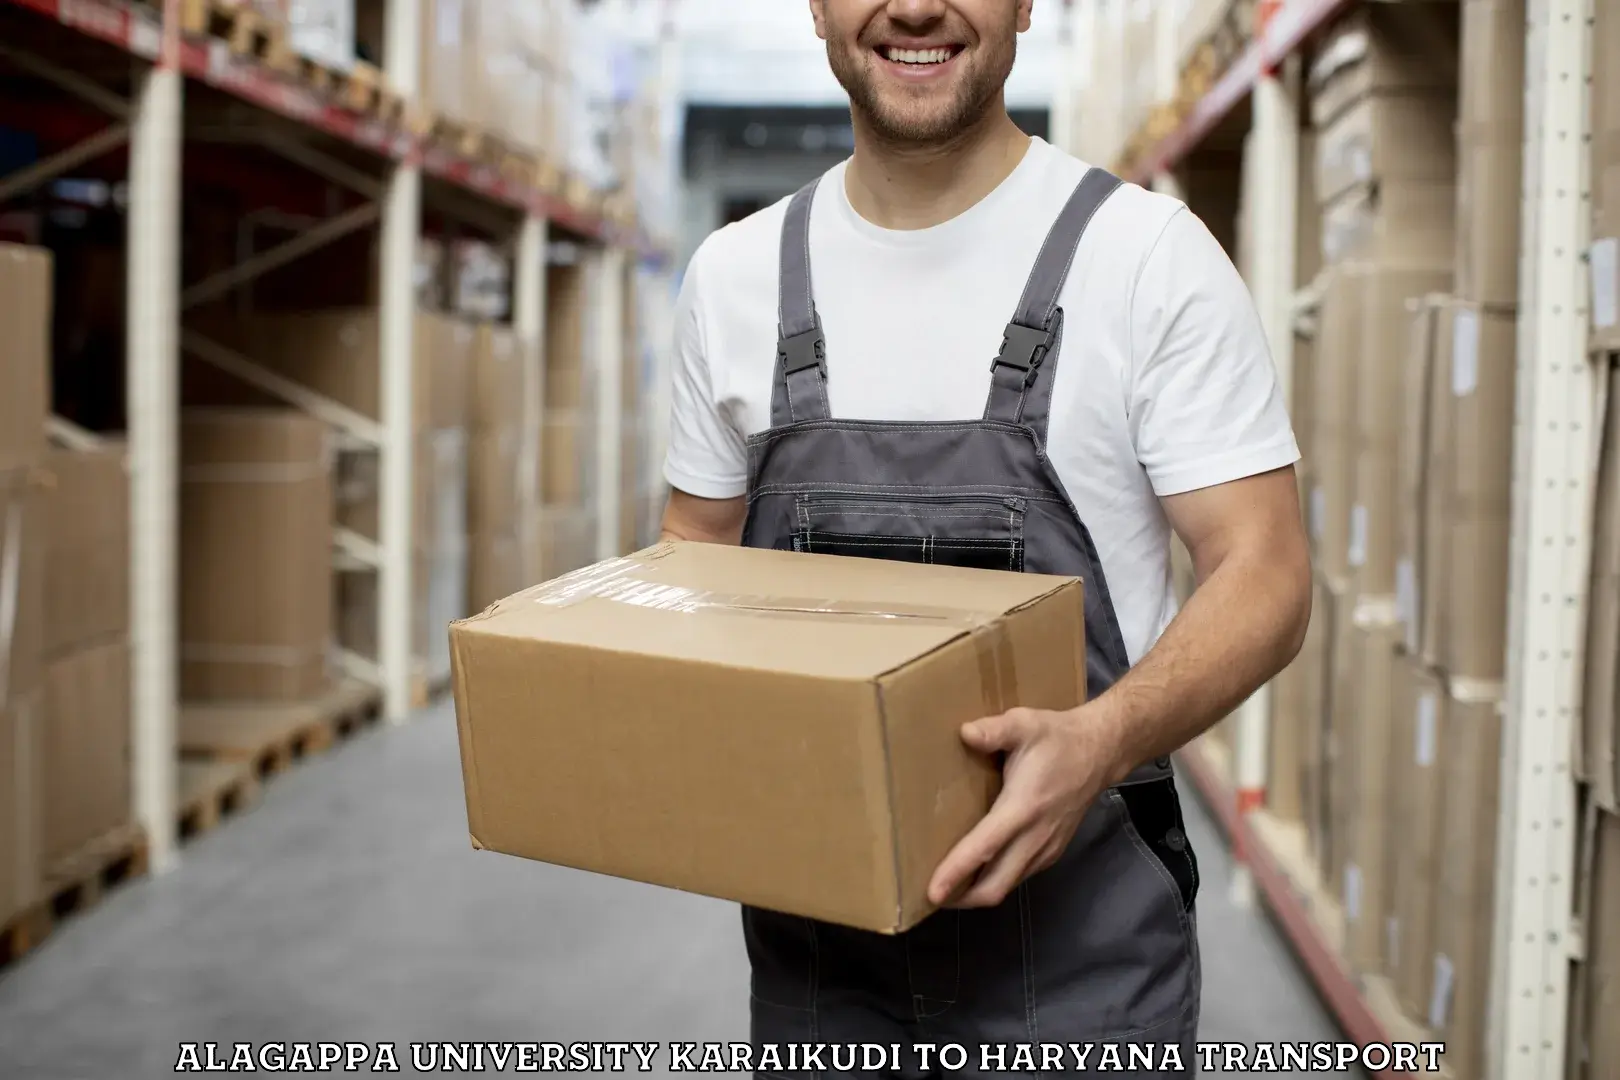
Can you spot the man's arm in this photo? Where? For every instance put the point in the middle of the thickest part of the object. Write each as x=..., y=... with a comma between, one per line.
x=1211, y=431
x=704, y=521
x=1243, y=624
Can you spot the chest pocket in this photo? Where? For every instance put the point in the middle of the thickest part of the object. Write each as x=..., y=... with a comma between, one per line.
x=983, y=532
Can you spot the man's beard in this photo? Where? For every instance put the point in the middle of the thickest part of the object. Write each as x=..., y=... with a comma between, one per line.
x=922, y=121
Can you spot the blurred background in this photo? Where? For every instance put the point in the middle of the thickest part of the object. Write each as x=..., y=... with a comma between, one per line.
x=326, y=322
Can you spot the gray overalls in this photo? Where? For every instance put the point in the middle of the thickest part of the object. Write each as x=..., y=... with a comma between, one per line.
x=1102, y=946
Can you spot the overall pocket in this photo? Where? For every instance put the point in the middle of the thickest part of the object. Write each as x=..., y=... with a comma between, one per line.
x=1153, y=808
x=983, y=532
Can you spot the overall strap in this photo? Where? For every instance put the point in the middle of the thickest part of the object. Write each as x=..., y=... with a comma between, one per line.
x=799, y=389
x=1022, y=373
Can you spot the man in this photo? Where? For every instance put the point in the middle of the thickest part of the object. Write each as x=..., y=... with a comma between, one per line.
x=834, y=392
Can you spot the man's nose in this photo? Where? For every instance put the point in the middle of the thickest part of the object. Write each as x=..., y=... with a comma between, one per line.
x=915, y=14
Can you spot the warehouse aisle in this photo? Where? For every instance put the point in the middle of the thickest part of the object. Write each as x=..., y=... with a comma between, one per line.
x=349, y=907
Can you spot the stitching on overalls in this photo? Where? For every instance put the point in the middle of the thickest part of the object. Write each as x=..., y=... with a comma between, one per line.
x=815, y=981
x=1029, y=494
x=1026, y=934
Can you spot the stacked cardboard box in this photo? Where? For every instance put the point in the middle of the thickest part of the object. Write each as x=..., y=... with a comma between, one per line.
x=255, y=555
x=1290, y=755
x=1599, y=761
x=503, y=441
x=499, y=67
x=1455, y=478
x=1594, y=1039
x=1605, y=253
x=25, y=312
x=86, y=744
x=566, y=531
x=335, y=353
x=1383, y=177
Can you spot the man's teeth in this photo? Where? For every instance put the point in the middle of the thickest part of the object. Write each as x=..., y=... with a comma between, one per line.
x=919, y=56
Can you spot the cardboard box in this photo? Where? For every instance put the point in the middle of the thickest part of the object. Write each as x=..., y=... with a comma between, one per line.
x=25, y=353
x=1600, y=974
x=501, y=381
x=1599, y=747
x=255, y=555
x=568, y=385
x=1365, y=805
x=495, y=496
x=447, y=61
x=1316, y=780
x=1383, y=49
x=494, y=568
x=336, y=354
x=1490, y=151
x=1381, y=377
x=87, y=568
x=1387, y=139
x=1397, y=224
x=1331, y=452
x=1483, y=384
x=1433, y=579
x=841, y=807
x=1467, y=881
x=566, y=539
x=1417, y=783
x=1605, y=252
x=1295, y=693
x=23, y=546
x=1412, y=467
x=86, y=747
x=21, y=783
x=568, y=456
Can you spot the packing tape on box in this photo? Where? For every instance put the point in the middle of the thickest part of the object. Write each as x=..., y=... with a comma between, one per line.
x=616, y=580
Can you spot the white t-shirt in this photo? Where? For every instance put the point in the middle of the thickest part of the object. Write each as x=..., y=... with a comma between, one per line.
x=1164, y=382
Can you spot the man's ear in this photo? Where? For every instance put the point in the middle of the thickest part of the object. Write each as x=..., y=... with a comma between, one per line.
x=1024, y=9
x=819, y=15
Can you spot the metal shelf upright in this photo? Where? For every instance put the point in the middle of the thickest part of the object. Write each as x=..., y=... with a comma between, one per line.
x=1553, y=487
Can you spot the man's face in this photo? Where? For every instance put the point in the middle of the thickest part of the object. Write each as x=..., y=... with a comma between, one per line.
x=920, y=71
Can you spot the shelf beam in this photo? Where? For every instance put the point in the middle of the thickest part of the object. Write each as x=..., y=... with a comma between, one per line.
x=1550, y=557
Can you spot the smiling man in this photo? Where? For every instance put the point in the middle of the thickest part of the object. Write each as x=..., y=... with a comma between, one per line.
x=835, y=392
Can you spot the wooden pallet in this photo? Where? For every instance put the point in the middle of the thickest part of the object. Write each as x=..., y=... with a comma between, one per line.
x=213, y=791
x=273, y=736
x=363, y=90
x=78, y=881
x=74, y=884
x=24, y=932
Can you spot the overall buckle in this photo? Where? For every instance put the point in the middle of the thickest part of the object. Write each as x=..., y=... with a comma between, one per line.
x=803, y=351
x=1022, y=349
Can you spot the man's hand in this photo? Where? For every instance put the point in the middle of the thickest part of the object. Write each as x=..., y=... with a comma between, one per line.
x=1057, y=764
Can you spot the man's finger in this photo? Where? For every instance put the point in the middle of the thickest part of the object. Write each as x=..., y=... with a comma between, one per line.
x=1002, y=876
x=997, y=733
x=987, y=839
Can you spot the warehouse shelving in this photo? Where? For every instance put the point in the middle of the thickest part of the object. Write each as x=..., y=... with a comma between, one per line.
x=1538, y=935
x=267, y=132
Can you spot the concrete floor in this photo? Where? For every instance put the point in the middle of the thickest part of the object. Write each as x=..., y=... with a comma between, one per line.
x=349, y=907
